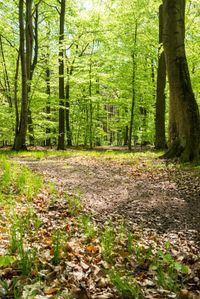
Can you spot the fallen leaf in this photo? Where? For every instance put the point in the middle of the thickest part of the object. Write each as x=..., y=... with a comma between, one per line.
x=51, y=291
x=92, y=248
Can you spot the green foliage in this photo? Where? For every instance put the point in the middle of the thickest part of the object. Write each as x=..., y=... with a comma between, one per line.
x=27, y=183
x=52, y=188
x=17, y=179
x=59, y=239
x=6, y=177
x=56, y=244
x=7, y=260
x=16, y=233
x=87, y=225
x=100, y=43
x=26, y=257
x=74, y=204
x=107, y=242
x=128, y=289
x=27, y=260
x=130, y=243
x=142, y=254
x=169, y=273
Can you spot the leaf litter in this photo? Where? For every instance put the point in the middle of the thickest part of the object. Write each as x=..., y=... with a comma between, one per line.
x=152, y=210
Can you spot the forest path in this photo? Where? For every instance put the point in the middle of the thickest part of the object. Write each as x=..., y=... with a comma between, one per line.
x=145, y=192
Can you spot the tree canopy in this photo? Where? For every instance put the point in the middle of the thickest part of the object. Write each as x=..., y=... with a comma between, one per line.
x=110, y=59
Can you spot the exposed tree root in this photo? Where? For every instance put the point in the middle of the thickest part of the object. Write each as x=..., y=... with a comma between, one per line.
x=184, y=154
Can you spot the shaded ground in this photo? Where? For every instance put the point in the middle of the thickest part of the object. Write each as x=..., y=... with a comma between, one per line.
x=147, y=193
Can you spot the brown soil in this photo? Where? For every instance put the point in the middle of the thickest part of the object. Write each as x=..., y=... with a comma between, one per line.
x=146, y=193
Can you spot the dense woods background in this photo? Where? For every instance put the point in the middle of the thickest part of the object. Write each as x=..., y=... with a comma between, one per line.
x=93, y=73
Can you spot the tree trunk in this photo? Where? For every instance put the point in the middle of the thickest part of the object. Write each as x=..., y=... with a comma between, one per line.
x=7, y=89
x=61, y=130
x=20, y=136
x=15, y=94
x=90, y=108
x=31, y=59
x=29, y=54
x=68, y=131
x=160, y=140
x=133, y=90
x=184, y=132
x=48, y=105
x=125, y=136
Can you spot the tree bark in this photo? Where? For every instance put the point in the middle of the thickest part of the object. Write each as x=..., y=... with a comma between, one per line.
x=48, y=105
x=31, y=59
x=7, y=89
x=184, y=136
x=61, y=130
x=133, y=89
x=90, y=108
x=20, y=136
x=68, y=131
x=160, y=139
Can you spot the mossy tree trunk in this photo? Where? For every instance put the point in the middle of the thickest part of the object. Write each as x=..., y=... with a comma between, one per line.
x=184, y=133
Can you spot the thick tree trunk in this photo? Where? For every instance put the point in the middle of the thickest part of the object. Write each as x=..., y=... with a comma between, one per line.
x=61, y=130
x=184, y=134
x=20, y=136
x=160, y=140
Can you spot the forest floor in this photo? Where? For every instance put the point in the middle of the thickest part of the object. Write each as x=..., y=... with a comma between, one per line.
x=157, y=200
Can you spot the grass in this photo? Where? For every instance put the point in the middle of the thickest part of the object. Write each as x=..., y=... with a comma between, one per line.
x=169, y=273
x=87, y=225
x=74, y=204
x=18, y=180
x=107, y=242
x=56, y=245
x=127, y=288
x=73, y=152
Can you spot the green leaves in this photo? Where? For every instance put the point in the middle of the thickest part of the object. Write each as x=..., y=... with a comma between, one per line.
x=7, y=260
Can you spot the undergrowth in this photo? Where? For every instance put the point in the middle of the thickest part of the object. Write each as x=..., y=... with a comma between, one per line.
x=127, y=260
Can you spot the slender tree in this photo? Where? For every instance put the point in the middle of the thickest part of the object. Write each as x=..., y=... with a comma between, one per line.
x=133, y=86
x=21, y=129
x=61, y=136
x=48, y=92
x=6, y=87
x=32, y=56
x=184, y=128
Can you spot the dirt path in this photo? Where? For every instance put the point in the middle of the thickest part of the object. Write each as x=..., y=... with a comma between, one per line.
x=145, y=193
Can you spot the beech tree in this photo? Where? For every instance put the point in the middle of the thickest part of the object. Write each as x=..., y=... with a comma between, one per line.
x=107, y=58
x=61, y=136
x=160, y=138
x=21, y=126
x=184, y=122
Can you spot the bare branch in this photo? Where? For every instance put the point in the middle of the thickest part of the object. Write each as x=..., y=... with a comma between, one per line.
x=9, y=42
